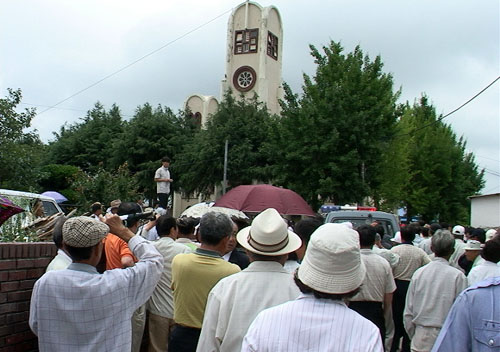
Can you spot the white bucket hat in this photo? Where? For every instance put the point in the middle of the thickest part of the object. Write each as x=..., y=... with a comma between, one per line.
x=473, y=245
x=332, y=263
x=269, y=235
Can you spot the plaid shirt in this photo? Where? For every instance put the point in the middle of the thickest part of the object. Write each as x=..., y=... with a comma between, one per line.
x=78, y=309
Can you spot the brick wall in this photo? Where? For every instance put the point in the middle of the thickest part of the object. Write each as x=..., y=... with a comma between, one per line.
x=21, y=264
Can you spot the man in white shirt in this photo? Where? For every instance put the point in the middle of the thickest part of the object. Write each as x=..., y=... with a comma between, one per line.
x=432, y=291
x=489, y=267
x=458, y=232
x=78, y=309
x=374, y=300
x=161, y=303
x=235, y=301
x=163, y=180
x=319, y=320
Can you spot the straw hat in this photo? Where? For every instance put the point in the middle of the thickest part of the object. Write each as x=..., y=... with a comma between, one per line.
x=269, y=235
x=332, y=263
x=83, y=231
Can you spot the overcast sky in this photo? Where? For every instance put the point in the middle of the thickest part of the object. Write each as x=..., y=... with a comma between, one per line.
x=52, y=49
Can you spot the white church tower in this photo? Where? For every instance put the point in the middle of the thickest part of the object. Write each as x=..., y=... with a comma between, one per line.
x=254, y=54
x=253, y=60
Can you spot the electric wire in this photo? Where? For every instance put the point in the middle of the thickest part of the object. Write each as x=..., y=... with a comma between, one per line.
x=136, y=61
x=450, y=113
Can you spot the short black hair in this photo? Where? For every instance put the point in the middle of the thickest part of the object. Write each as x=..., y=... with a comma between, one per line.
x=95, y=207
x=305, y=227
x=407, y=234
x=434, y=227
x=366, y=235
x=380, y=229
x=57, y=236
x=491, y=250
x=415, y=227
x=164, y=224
x=480, y=234
x=424, y=231
x=323, y=295
x=126, y=208
x=186, y=225
x=79, y=253
x=165, y=159
x=214, y=227
x=444, y=225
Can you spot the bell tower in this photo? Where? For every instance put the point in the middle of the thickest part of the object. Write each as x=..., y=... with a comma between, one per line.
x=254, y=54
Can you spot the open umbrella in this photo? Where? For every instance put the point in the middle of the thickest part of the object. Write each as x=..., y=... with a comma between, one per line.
x=198, y=210
x=256, y=198
x=7, y=209
x=58, y=197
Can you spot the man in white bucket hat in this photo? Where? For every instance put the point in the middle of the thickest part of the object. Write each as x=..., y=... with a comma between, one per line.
x=319, y=320
x=235, y=301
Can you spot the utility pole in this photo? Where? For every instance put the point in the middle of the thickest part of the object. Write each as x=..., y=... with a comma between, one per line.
x=224, y=181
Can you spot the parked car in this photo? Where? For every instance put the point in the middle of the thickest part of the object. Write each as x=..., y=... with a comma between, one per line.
x=361, y=217
x=35, y=206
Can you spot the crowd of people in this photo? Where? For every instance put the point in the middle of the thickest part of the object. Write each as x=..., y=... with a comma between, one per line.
x=219, y=284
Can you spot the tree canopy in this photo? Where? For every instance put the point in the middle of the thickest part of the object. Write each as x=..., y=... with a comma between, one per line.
x=21, y=150
x=331, y=138
x=245, y=124
x=343, y=139
x=434, y=175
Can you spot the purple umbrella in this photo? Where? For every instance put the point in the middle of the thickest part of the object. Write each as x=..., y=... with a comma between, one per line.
x=58, y=197
x=7, y=209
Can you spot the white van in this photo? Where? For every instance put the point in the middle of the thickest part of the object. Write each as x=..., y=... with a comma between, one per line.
x=35, y=205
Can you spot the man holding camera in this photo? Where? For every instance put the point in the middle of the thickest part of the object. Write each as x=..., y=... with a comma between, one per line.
x=78, y=309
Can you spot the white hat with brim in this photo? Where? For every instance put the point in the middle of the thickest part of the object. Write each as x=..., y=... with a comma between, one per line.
x=473, y=245
x=269, y=235
x=332, y=263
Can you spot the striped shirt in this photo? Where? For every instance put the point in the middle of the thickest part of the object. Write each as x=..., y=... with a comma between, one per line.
x=311, y=324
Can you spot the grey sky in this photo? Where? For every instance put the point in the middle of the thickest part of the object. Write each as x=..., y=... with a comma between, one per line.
x=51, y=49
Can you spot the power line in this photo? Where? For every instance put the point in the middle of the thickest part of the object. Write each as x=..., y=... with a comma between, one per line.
x=485, y=157
x=451, y=112
x=491, y=172
x=70, y=109
x=136, y=61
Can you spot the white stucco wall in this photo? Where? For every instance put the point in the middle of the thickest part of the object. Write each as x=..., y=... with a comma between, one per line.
x=485, y=211
x=269, y=82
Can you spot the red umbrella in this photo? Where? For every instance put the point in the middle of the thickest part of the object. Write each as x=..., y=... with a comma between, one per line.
x=256, y=198
x=7, y=209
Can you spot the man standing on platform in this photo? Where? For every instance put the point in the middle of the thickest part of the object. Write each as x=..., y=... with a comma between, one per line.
x=163, y=180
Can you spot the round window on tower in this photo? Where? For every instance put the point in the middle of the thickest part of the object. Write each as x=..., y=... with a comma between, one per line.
x=244, y=78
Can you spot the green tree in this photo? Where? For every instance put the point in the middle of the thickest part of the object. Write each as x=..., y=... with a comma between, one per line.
x=20, y=151
x=435, y=173
x=330, y=141
x=246, y=125
x=103, y=186
x=89, y=143
x=147, y=137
